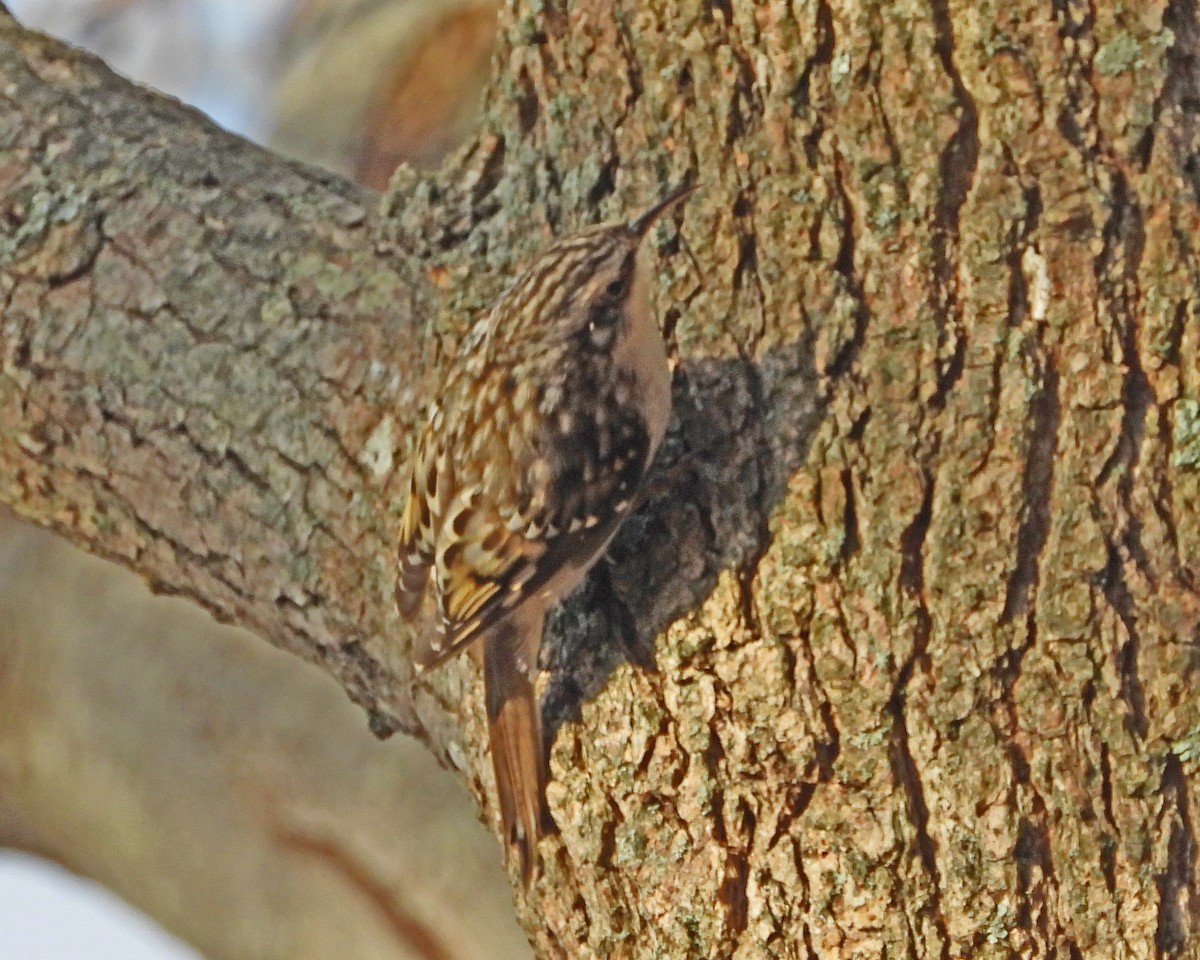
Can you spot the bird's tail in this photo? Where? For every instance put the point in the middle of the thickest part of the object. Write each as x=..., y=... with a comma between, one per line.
x=518, y=753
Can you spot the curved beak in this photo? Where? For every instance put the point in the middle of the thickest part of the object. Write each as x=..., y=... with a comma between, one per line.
x=640, y=225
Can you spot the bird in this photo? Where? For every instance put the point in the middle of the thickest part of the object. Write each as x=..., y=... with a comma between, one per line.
x=532, y=455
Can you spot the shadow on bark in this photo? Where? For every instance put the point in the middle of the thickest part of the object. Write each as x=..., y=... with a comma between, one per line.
x=739, y=430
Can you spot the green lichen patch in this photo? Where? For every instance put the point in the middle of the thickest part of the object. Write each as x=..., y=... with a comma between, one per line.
x=1186, y=455
x=1118, y=55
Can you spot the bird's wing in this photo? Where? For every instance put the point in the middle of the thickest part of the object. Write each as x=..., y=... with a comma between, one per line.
x=560, y=513
x=417, y=529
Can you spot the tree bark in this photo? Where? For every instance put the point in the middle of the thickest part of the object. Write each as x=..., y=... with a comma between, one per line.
x=197, y=339
x=925, y=589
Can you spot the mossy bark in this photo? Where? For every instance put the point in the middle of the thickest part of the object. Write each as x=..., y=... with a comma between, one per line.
x=925, y=584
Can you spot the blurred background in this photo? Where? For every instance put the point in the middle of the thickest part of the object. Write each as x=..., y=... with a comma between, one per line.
x=221, y=787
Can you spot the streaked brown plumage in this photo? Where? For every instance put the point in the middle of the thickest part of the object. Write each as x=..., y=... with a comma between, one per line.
x=531, y=457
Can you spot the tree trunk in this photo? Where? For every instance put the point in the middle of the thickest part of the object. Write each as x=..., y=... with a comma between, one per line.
x=925, y=590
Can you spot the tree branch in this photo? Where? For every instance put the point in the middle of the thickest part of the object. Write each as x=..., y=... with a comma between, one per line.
x=206, y=364
x=164, y=756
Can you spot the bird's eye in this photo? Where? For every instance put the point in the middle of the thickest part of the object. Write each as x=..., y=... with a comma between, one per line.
x=602, y=316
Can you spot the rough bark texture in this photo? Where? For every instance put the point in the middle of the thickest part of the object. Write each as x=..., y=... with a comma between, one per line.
x=927, y=586
x=208, y=369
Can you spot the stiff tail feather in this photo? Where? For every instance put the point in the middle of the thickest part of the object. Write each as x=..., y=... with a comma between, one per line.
x=518, y=752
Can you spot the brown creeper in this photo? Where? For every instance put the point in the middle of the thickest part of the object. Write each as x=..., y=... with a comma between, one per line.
x=531, y=458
